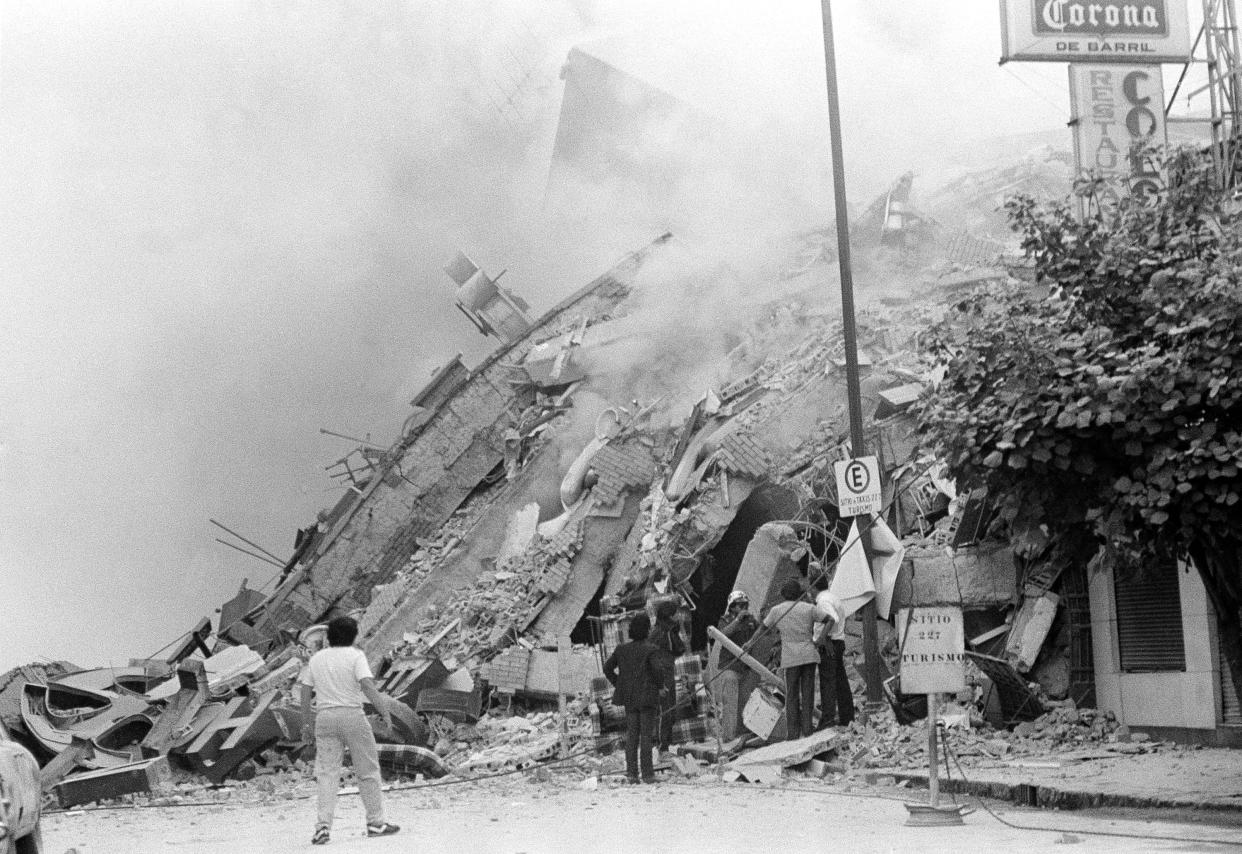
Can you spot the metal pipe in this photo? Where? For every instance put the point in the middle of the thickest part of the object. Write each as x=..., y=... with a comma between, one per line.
x=252, y=554
x=279, y=560
x=871, y=642
x=747, y=659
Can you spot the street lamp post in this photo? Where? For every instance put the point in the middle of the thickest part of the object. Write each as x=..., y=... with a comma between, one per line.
x=871, y=646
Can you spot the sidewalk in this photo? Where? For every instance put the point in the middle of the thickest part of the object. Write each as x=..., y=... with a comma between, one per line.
x=1207, y=778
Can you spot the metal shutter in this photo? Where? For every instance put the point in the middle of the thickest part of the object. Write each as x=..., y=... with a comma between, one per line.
x=1231, y=709
x=1149, y=622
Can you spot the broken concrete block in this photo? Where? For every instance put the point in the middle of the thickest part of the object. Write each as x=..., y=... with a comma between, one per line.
x=764, y=715
x=764, y=774
x=407, y=677
x=897, y=399
x=1031, y=627
x=79, y=751
x=785, y=754
x=459, y=680
x=813, y=768
x=976, y=576
x=145, y=776
x=519, y=533
x=192, y=693
x=230, y=668
x=570, y=674
x=246, y=726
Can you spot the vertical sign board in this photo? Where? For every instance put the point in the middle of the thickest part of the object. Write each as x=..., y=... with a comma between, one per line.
x=933, y=650
x=1148, y=31
x=858, y=486
x=1118, y=112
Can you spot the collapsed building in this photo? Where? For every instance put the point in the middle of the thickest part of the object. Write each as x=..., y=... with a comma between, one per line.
x=495, y=551
x=532, y=504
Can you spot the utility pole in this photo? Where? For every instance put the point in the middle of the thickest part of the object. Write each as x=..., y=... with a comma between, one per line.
x=871, y=644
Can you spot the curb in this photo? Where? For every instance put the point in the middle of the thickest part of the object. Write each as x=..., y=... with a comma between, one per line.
x=1050, y=797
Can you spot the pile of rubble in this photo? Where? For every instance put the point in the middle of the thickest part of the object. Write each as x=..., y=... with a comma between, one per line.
x=1066, y=732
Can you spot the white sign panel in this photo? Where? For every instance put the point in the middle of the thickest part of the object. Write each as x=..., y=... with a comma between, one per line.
x=1094, y=31
x=933, y=650
x=1118, y=112
x=858, y=486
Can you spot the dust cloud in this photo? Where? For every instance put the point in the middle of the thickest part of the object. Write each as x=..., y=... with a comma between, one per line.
x=225, y=222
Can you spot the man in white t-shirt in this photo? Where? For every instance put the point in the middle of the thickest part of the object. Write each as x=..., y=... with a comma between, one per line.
x=836, y=699
x=339, y=679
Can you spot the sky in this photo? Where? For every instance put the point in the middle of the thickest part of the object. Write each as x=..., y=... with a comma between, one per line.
x=224, y=224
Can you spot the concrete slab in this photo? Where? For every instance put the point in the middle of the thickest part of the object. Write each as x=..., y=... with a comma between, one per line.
x=786, y=753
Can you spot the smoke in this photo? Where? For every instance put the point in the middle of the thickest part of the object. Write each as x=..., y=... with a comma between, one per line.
x=224, y=227
x=225, y=222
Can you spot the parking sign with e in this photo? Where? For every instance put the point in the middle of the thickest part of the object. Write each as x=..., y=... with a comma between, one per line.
x=858, y=486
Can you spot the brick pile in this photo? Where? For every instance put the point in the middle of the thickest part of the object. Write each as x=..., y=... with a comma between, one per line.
x=491, y=613
x=507, y=671
x=741, y=454
x=621, y=466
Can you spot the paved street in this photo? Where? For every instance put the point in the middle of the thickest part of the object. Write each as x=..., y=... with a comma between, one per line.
x=513, y=816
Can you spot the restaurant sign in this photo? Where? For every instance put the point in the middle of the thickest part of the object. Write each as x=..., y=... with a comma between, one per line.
x=1118, y=116
x=1101, y=31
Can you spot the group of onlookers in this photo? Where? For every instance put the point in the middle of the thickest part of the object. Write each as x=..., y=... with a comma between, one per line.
x=812, y=636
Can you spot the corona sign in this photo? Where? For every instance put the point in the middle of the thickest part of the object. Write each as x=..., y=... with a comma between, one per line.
x=1148, y=31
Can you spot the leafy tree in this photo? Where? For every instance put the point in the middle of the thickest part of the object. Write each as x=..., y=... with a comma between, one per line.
x=1102, y=406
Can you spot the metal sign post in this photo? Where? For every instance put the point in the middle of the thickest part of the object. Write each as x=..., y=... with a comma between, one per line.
x=933, y=661
x=871, y=639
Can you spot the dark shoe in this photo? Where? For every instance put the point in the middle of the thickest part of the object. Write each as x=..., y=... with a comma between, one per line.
x=321, y=836
x=384, y=829
x=649, y=779
x=631, y=780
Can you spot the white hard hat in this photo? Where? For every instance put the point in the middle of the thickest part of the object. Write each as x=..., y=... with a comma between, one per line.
x=738, y=596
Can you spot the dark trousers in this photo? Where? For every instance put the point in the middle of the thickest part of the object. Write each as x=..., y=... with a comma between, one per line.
x=668, y=713
x=799, y=700
x=836, y=702
x=639, y=727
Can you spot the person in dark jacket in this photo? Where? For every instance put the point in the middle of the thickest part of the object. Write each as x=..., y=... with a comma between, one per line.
x=666, y=636
x=739, y=625
x=734, y=680
x=635, y=671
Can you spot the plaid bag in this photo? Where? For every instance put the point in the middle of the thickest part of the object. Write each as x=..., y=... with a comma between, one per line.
x=690, y=730
x=688, y=669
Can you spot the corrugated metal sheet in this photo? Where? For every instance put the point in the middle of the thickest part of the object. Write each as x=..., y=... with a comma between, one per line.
x=1149, y=622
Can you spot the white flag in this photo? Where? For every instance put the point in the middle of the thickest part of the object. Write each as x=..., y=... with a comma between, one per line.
x=852, y=585
x=887, y=552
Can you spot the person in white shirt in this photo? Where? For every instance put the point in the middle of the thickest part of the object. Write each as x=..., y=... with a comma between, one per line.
x=836, y=700
x=339, y=679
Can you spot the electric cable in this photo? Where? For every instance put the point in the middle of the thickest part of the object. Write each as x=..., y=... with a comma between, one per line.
x=962, y=773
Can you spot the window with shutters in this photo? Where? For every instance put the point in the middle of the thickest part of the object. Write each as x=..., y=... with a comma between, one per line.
x=1149, y=622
